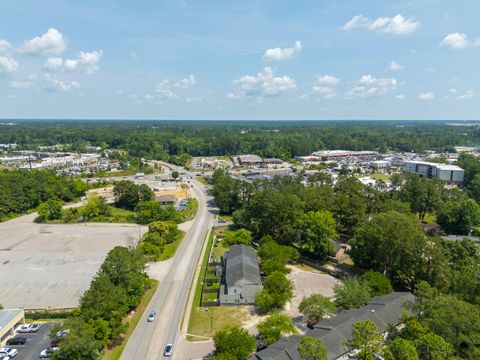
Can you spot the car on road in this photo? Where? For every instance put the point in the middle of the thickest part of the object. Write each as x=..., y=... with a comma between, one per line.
x=46, y=353
x=17, y=340
x=152, y=316
x=11, y=353
x=168, y=350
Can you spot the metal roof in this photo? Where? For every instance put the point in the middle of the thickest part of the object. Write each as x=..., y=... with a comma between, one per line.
x=242, y=266
x=6, y=315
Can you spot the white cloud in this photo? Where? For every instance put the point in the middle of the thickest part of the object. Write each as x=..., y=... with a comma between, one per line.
x=163, y=91
x=426, y=96
x=397, y=25
x=21, y=85
x=86, y=62
x=468, y=95
x=328, y=80
x=282, y=54
x=186, y=82
x=53, y=84
x=458, y=41
x=134, y=55
x=400, y=97
x=53, y=64
x=193, y=99
x=394, y=66
x=52, y=43
x=369, y=86
x=4, y=46
x=8, y=65
x=265, y=83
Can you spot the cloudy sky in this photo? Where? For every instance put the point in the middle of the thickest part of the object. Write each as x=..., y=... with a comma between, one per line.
x=245, y=59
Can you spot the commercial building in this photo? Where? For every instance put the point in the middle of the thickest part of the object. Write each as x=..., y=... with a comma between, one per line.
x=242, y=278
x=9, y=319
x=444, y=172
x=249, y=160
x=333, y=154
x=380, y=164
x=333, y=332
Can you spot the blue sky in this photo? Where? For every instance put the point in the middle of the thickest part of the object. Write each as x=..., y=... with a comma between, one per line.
x=185, y=59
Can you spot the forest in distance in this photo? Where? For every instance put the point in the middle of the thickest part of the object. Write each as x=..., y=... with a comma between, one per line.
x=163, y=140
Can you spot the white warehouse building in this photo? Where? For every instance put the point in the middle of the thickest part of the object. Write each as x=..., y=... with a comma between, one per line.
x=444, y=172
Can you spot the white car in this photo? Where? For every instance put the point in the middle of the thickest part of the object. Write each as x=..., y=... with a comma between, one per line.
x=9, y=352
x=168, y=350
x=46, y=353
x=62, y=333
x=24, y=328
x=4, y=357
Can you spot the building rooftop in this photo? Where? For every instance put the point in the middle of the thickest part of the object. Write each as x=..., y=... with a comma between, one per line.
x=437, y=165
x=6, y=315
x=382, y=310
x=242, y=266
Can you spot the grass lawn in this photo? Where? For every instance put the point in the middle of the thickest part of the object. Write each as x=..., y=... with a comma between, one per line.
x=379, y=176
x=206, y=323
x=429, y=218
x=117, y=216
x=169, y=250
x=202, y=180
x=116, y=352
x=191, y=209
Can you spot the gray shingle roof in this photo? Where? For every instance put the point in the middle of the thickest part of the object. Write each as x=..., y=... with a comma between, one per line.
x=382, y=310
x=242, y=266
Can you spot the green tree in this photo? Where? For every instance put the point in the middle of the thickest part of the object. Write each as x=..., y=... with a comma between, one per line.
x=350, y=203
x=241, y=236
x=317, y=232
x=80, y=344
x=378, y=283
x=50, y=210
x=401, y=349
x=166, y=229
x=433, y=347
x=234, y=342
x=96, y=206
x=274, y=213
x=459, y=217
x=175, y=175
x=316, y=306
x=145, y=193
x=126, y=194
x=366, y=339
x=391, y=243
x=311, y=348
x=351, y=293
x=274, y=326
x=423, y=194
x=277, y=290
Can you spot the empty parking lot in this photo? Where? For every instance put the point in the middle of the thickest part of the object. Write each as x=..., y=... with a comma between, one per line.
x=50, y=266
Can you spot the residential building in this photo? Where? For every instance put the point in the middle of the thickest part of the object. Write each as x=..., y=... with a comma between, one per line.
x=333, y=332
x=9, y=319
x=242, y=278
x=444, y=172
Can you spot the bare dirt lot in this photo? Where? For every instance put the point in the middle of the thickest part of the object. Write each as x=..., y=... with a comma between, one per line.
x=50, y=266
x=306, y=283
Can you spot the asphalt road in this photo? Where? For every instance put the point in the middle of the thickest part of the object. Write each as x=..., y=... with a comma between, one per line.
x=149, y=339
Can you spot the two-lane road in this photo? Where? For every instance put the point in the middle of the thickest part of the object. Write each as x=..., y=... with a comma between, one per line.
x=149, y=339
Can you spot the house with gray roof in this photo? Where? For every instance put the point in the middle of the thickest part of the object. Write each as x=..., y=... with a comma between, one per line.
x=242, y=278
x=334, y=332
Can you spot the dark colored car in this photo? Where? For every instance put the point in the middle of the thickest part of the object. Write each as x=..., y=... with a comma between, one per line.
x=17, y=340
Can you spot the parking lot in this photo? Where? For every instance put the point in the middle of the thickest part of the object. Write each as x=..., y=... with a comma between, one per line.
x=50, y=266
x=35, y=343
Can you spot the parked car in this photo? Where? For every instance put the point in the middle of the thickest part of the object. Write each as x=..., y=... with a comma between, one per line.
x=152, y=316
x=11, y=353
x=17, y=340
x=46, y=353
x=4, y=357
x=24, y=328
x=62, y=333
x=168, y=350
x=34, y=328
